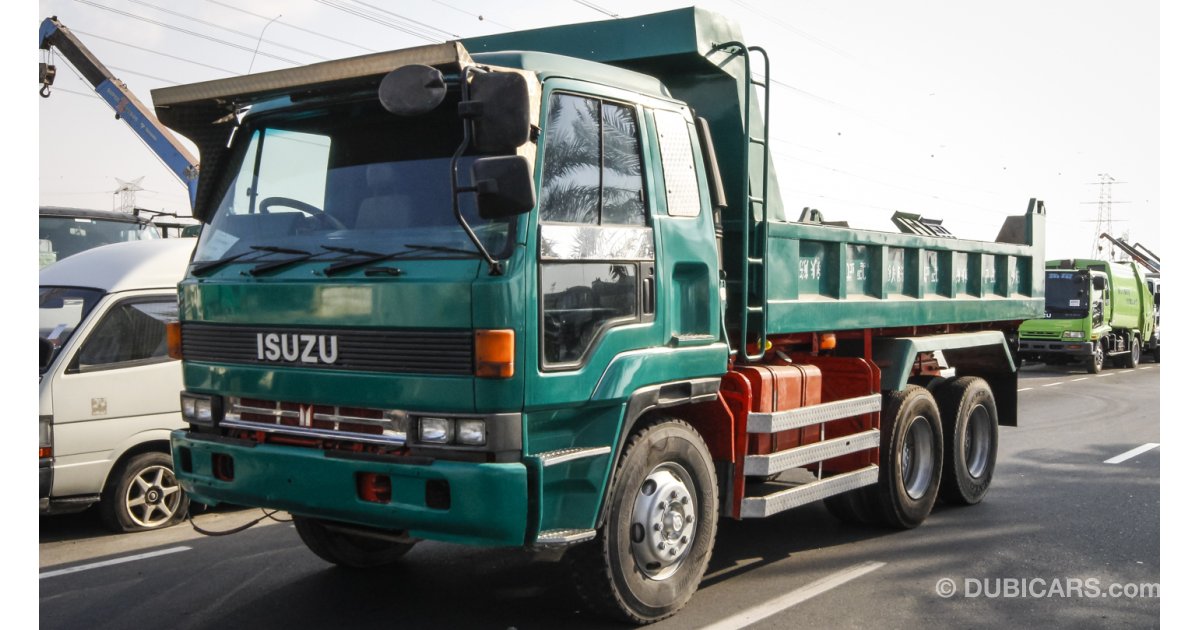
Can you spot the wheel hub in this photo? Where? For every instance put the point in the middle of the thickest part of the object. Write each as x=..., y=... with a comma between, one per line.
x=916, y=458
x=664, y=521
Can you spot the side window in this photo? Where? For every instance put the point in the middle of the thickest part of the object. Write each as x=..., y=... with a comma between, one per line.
x=596, y=248
x=593, y=166
x=132, y=332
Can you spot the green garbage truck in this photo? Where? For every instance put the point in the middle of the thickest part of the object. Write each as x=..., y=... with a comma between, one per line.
x=1097, y=311
x=538, y=289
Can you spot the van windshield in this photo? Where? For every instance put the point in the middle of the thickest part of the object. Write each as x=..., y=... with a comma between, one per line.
x=60, y=309
x=349, y=176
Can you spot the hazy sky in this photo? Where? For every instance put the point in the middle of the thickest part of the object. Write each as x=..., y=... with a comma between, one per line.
x=957, y=110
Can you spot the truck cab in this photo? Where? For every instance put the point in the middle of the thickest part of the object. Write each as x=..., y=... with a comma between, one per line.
x=108, y=393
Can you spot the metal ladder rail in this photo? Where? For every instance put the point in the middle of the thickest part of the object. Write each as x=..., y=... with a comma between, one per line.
x=754, y=308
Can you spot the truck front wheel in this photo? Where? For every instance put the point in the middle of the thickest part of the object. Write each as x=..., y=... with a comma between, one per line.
x=972, y=434
x=346, y=549
x=654, y=543
x=1095, y=363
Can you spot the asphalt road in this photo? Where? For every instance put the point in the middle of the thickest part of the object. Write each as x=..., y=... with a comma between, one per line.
x=1062, y=538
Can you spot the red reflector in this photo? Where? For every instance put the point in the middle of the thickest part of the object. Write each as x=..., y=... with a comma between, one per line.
x=44, y=451
x=374, y=487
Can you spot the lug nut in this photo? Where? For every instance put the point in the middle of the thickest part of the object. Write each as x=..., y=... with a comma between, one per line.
x=690, y=518
x=674, y=494
x=684, y=500
x=662, y=545
x=673, y=551
x=657, y=526
x=662, y=505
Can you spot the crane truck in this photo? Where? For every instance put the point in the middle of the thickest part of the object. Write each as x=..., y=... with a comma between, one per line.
x=538, y=289
x=54, y=36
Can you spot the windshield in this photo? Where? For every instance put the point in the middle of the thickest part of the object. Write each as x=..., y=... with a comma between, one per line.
x=1066, y=294
x=352, y=176
x=60, y=237
x=60, y=309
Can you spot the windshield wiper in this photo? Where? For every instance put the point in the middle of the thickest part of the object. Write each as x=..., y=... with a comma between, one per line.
x=378, y=258
x=301, y=256
x=213, y=265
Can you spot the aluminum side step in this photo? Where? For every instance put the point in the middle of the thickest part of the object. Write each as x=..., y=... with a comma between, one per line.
x=763, y=465
x=813, y=414
x=796, y=496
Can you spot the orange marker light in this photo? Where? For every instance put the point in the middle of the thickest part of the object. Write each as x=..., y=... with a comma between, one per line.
x=174, y=340
x=828, y=341
x=494, y=352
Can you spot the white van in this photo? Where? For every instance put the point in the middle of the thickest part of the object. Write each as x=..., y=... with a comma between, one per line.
x=108, y=392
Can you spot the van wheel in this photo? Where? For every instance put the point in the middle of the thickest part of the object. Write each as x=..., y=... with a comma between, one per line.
x=653, y=546
x=348, y=550
x=144, y=495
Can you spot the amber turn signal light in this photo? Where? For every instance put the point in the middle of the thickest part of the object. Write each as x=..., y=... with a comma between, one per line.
x=174, y=340
x=494, y=352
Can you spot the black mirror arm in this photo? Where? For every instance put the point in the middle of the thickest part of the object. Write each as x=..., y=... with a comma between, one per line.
x=495, y=268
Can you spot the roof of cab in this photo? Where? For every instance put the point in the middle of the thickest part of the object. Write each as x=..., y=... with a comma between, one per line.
x=149, y=264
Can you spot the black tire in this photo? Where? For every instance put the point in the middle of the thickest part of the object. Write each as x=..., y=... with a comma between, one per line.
x=665, y=490
x=910, y=461
x=143, y=494
x=1095, y=363
x=1134, y=357
x=967, y=405
x=346, y=549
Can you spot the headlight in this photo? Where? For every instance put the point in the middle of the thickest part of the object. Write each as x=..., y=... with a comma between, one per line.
x=1072, y=334
x=436, y=430
x=461, y=431
x=200, y=409
x=472, y=432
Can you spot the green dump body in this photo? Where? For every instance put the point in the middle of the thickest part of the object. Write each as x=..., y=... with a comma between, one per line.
x=799, y=277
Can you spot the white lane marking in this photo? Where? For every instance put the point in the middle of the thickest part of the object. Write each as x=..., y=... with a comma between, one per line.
x=1024, y=389
x=1052, y=384
x=1148, y=367
x=1079, y=379
x=1103, y=375
x=762, y=611
x=107, y=563
x=1131, y=454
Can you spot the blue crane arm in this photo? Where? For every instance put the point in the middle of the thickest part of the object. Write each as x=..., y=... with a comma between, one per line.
x=128, y=108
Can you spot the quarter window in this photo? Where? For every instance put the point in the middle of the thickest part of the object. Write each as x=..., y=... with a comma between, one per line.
x=132, y=332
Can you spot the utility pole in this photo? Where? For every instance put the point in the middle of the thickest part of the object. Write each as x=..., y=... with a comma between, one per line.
x=1103, y=218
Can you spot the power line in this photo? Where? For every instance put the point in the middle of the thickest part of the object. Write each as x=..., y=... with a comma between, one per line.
x=293, y=26
x=596, y=7
x=226, y=29
x=185, y=31
x=405, y=19
x=383, y=21
x=481, y=18
x=155, y=52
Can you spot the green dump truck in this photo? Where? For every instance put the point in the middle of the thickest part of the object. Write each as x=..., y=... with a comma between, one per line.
x=1096, y=311
x=539, y=290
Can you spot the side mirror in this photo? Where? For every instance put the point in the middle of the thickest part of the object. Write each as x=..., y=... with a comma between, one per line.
x=45, y=352
x=503, y=186
x=412, y=90
x=499, y=109
x=1099, y=283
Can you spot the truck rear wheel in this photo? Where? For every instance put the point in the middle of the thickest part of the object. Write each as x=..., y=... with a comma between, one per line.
x=348, y=550
x=654, y=543
x=910, y=460
x=1134, y=357
x=972, y=436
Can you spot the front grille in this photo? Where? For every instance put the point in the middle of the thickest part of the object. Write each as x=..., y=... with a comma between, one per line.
x=317, y=421
x=449, y=352
x=1039, y=334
